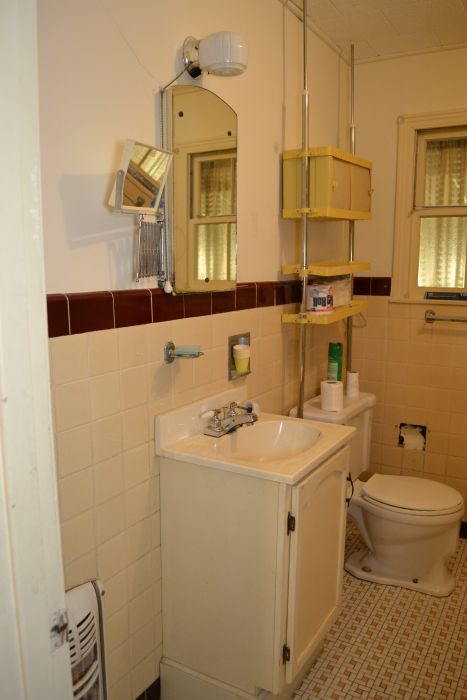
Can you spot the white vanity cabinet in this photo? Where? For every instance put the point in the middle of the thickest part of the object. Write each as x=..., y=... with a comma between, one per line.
x=252, y=572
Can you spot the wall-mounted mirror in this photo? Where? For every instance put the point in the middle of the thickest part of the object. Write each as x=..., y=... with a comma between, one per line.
x=202, y=134
x=140, y=179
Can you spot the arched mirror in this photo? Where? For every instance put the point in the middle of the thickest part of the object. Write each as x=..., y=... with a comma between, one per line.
x=201, y=132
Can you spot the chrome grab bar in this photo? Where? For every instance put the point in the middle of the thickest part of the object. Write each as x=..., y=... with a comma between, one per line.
x=431, y=317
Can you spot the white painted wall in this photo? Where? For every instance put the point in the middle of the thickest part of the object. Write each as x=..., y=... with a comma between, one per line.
x=384, y=91
x=100, y=67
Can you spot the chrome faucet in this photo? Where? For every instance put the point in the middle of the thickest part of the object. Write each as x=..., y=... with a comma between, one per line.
x=229, y=418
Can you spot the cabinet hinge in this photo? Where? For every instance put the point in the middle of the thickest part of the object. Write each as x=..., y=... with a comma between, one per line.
x=58, y=628
x=285, y=653
x=290, y=523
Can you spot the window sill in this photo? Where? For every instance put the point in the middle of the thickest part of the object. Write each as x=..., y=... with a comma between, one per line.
x=428, y=302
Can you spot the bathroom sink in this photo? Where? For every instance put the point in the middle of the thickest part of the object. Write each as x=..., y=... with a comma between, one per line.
x=275, y=447
x=269, y=440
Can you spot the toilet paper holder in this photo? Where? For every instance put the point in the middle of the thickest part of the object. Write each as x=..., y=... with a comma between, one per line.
x=412, y=437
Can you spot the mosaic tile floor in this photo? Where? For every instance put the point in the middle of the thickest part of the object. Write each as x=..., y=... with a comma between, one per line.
x=394, y=644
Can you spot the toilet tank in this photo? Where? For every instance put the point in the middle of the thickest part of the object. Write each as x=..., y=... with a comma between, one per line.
x=357, y=412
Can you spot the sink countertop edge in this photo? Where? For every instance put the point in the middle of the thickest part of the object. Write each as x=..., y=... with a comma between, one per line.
x=197, y=449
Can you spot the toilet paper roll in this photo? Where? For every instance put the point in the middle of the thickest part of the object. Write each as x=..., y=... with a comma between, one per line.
x=332, y=396
x=353, y=388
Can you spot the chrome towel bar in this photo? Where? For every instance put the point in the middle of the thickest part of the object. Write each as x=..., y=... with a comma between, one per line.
x=431, y=317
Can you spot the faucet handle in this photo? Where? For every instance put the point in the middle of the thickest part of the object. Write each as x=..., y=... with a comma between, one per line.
x=216, y=420
x=231, y=410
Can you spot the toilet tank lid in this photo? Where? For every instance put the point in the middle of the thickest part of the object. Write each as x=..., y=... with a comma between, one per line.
x=352, y=407
x=412, y=493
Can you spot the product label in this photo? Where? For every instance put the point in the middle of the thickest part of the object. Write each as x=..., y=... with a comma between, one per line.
x=320, y=298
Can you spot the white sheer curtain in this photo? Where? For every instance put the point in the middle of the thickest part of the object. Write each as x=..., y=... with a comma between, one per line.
x=217, y=192
x=443, y=239
x=216, y=242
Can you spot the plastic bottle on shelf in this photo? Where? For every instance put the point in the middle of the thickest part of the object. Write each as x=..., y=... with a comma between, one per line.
x=335, y=362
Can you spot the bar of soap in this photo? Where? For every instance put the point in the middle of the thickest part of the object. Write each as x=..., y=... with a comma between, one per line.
x=187, y=350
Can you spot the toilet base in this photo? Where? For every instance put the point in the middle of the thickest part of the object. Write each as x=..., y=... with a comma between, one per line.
x=362, y=565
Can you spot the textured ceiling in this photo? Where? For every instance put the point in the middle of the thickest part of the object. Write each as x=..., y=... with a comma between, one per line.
x=385, y=28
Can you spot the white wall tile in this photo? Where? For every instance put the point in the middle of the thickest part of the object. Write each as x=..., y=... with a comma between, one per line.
x=76, y=494
x=72, y=405
x=105, y=395
x=69, y=358
x=74, y=450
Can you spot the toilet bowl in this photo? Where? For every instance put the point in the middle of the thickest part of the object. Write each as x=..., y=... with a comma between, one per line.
x=409, y=524
x=411, y=528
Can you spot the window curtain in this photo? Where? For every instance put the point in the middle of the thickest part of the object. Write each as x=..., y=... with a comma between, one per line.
x=217, y=194
x=443, y=239
x=216, y=242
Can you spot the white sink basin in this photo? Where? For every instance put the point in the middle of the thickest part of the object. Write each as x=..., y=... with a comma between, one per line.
x=268, y=440
x=279, y=448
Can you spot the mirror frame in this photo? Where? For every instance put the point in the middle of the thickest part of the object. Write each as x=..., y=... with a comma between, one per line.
x=184, y=285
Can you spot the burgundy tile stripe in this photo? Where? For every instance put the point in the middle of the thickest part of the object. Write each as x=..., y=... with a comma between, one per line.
x=132, y=307
x=245, y=296
x=94, y=311
x=57, y=315
x=101, y=316
x=372, y=286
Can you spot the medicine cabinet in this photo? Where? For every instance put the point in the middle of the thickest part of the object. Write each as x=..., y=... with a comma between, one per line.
x=339, y=185
x=201, y=209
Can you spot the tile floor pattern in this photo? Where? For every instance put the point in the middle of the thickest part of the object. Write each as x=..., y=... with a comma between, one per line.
x=394, y=644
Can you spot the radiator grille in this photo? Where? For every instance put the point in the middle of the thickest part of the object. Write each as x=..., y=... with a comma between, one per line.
x=85, y=640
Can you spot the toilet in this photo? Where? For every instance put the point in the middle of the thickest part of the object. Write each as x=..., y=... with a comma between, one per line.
x=409, y=524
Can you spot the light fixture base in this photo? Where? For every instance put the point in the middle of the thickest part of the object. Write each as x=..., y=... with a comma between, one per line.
x=191, y=56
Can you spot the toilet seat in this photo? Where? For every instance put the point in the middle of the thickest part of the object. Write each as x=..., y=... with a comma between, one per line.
x=411, y=495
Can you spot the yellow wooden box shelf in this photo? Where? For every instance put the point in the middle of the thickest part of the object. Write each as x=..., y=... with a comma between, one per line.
x=354, y=307
x=327, y=268
x=339, y=185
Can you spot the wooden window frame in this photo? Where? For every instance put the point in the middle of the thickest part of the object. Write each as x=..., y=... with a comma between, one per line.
x=407, y=215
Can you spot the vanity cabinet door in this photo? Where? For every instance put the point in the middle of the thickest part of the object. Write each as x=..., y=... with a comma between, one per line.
x=316, y=559
x=224, y=569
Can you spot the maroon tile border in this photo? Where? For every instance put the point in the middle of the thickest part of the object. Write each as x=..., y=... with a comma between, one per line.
x=380, y=286
x=91, y=311
x=222, y=302
x=362, y=285
x=372, y=286
x=245, y=296
x=132, y=307
x=166, y=307
x=198, y=304
x=265, y=294
x=94, y=311
x=57, y=315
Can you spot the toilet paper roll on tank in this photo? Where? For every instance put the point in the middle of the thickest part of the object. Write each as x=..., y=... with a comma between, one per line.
x=332, y=395
x=332, y=392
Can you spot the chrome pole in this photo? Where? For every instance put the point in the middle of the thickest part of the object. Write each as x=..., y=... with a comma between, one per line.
x=351, y=223
x=304, y=205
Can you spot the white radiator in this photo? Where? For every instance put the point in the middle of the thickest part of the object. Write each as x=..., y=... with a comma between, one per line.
x=86, y=641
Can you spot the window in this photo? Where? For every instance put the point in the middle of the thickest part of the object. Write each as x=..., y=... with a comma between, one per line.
x=431, y=205
x=213, y=222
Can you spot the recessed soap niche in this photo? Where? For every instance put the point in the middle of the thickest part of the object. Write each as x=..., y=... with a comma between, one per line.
x=239, y=339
